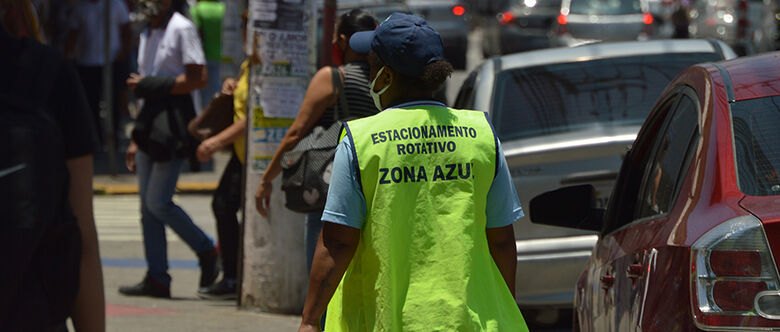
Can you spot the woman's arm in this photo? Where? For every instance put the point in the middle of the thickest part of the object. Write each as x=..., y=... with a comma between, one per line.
x=335, y=248
x=503, y=248
x=209, y=146
x=196, y=77
x=319, y=96
x=89, y=310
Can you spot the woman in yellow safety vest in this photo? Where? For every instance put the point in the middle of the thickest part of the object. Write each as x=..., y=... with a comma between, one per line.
x=418, y=222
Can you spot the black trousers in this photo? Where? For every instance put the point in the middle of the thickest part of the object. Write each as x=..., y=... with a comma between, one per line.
x=226, y=204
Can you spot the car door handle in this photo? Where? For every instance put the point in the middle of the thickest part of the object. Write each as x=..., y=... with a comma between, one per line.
x=607, y=281
x=634, y=271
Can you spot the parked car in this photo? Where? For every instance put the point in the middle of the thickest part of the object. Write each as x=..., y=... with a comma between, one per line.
x=449, y=18
x=523, y=26
x=690, y=238
x=749, y=26
x=566, y=116
x=586, y=21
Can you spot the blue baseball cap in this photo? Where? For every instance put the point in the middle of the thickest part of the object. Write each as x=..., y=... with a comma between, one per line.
x=404, y=42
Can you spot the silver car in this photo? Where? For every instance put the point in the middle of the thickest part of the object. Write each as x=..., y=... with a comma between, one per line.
x=566, y=116
x=749, y=26
x=585, y=21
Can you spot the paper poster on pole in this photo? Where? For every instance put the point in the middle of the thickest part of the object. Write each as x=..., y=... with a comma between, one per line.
x=279, y=33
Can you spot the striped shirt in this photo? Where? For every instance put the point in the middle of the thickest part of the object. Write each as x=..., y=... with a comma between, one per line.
x=356, y=81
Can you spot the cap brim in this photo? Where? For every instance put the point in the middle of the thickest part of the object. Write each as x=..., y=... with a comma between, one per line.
x=360, y=42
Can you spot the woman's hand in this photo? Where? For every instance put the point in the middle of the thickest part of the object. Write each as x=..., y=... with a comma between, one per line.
x=263, y=197
x=207, y=148
x=228, y=86
x=133, y=80
x=309, y=328
x=130, y=156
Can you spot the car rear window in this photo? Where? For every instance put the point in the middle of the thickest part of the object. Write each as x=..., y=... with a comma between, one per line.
x=605, y=7
x=757, y=145
x=558, y=98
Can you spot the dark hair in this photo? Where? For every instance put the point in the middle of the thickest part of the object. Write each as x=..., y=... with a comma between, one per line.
x=433, y=76
x=355, y=20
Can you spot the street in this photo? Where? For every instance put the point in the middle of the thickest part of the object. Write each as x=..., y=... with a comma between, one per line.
x=118, y=223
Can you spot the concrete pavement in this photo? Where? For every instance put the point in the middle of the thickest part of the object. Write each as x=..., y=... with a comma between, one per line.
x=118, y=223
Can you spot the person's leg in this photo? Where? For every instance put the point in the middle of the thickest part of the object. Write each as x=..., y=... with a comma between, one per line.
x=159, y=200
x=155, y=244
x=313, y=228
x=226, y=203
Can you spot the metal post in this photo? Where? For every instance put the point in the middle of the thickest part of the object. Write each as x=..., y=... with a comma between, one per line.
x=328, y=23
x=108, y=93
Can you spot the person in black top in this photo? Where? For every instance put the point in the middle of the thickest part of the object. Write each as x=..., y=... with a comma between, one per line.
x=30, y=305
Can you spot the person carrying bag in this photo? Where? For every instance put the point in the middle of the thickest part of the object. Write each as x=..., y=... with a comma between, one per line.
x=318, y=110
x=306, y=168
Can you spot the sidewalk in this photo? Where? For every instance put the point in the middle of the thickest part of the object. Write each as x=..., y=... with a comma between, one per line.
x=117, y=218
x=200, y=182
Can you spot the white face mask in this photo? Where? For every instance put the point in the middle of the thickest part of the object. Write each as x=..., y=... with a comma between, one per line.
x=377, y=95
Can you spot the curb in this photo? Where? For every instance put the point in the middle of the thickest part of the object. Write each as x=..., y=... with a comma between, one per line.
x=183, y=187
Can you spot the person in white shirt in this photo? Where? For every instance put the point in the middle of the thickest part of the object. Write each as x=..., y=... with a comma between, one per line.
x=171, y=66
x=86, y=44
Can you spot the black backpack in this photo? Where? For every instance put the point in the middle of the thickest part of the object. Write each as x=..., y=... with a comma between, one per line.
x=40, y=242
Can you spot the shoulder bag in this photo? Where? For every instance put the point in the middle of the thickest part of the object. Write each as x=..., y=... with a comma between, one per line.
x=306, y=169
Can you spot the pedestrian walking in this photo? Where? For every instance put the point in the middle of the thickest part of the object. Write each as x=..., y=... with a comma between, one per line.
x=172, y=66
x=48, y=242
x=227, y=198
x=86, y=43
x=207, y=16
x=318, y=109
x=420, y=208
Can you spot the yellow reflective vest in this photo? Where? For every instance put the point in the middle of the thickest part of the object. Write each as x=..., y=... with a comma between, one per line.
x=423, y=262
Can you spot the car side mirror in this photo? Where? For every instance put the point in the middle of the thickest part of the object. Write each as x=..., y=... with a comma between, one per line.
x=571, y=207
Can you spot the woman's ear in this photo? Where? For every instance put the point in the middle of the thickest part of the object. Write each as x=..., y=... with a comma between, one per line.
x=343, y=42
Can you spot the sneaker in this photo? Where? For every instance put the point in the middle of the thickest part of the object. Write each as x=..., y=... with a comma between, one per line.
x=209, y=267
x=223, y=290
x=147, y=287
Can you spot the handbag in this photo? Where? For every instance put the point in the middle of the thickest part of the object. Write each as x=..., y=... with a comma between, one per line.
x=217, y=116
x=306, y=169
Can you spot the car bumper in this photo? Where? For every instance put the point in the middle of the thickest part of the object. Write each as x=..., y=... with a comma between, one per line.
x=561, y=259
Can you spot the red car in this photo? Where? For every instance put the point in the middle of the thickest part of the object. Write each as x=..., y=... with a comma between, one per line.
x=690, y=237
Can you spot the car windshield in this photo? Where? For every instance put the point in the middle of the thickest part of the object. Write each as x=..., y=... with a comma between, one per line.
x=557, y=98
x=757, y=145
x=605, y=7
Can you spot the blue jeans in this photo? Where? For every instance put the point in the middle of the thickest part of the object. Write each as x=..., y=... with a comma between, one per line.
x=156, y=186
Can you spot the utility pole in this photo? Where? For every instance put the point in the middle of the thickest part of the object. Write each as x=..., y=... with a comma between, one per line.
x=328, y=24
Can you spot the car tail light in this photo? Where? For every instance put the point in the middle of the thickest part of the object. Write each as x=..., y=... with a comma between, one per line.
x=505, y=18
x=563, y=19
x=459, y=10
x=732, y=268
x=647, y=19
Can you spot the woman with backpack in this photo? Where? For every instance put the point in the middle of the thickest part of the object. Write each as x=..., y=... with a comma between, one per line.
x=318, y=109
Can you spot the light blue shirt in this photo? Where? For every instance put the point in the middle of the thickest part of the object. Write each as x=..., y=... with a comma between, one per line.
x=346, y=204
